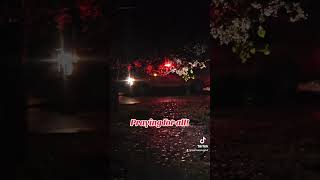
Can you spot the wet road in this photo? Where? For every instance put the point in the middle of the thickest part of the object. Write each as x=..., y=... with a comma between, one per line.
x=164, y=148
x=42, y=119
x=249, y=142
x=162, y=152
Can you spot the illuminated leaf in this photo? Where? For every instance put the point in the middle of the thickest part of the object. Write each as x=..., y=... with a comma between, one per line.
x=234, y=49
x=261, y=32
x=266, y=52
x=253, y=50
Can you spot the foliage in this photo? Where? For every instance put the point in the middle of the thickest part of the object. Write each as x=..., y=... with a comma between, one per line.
x=87, y=10
x=185, y=69
x=193, y=56
x=183, y=62
x=243, y=24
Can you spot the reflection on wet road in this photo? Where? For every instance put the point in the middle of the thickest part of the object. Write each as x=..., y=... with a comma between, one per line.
x=161, y=152
x=164, y=148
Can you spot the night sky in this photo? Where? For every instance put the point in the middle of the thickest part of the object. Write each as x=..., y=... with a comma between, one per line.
x=156, y=28
x=160, y=27
x=152, y=28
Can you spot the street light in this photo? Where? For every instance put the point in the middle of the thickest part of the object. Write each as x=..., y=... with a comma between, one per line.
x=65, y=63
x=130, y=81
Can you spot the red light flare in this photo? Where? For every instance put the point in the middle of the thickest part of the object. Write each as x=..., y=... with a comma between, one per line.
x=137, y=64
x=149, y=69
x=167, y=64
x=129, y=67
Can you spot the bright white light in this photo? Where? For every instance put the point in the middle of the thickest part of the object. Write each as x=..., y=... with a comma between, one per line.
x=206, y=88
x=167, y=65
x=130, y=81
x=65, y=62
